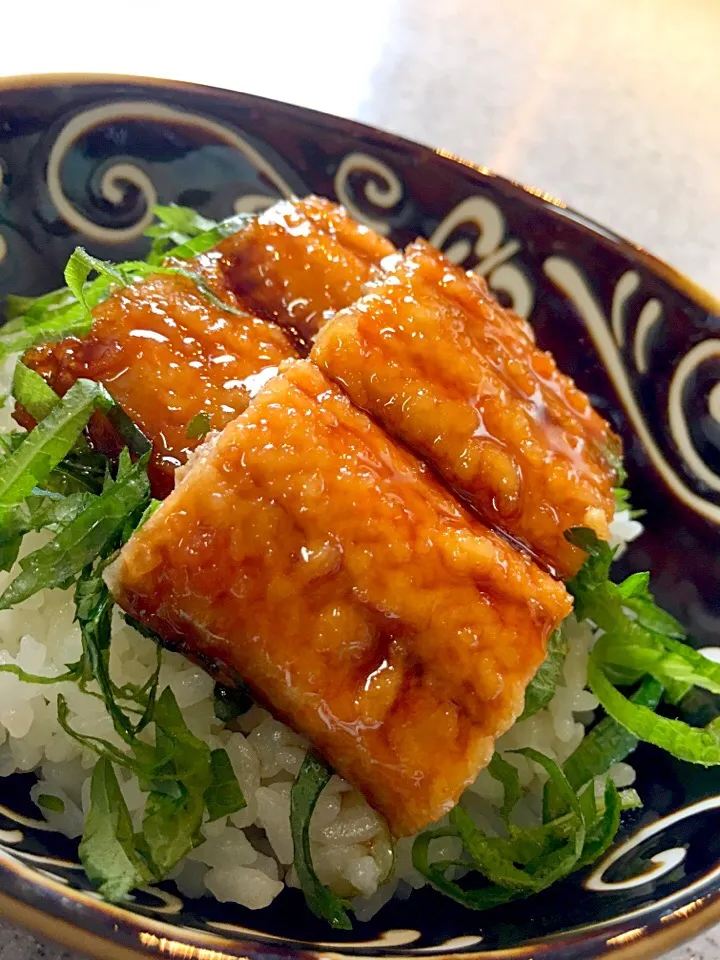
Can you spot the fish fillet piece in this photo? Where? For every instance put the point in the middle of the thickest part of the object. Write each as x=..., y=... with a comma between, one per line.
x=297, y=263
x=166, y=354
x=431, y=355
x=306, y=553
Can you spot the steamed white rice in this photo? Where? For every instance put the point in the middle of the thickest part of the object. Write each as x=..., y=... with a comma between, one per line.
x=247, y=857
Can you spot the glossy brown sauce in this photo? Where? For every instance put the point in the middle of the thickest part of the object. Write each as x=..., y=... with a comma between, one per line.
x=304, y=549
x=327, y=566
x=460, y=380
x=166, y=354
x=298, y=263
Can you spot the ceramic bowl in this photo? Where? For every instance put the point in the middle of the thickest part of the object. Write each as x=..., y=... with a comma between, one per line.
x=82, y=161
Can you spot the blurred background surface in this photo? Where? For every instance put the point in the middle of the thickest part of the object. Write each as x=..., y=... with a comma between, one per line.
x=611, y=105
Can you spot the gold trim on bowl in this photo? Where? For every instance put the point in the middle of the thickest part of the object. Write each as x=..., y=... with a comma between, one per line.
x=634, y=944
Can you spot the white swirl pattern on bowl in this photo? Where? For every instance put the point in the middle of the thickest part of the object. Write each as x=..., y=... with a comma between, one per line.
x=128, y=173
x=382, y=190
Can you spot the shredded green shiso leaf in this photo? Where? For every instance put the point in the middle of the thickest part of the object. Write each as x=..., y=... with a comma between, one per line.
x=308, y=786
x=180, y=235
x=198, y=427
x=622, y=503
x=89, y=509
x=51, y=480
x=639, y=648
x=541, y=688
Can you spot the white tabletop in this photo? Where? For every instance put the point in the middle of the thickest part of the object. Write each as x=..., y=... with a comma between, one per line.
x=612, y=105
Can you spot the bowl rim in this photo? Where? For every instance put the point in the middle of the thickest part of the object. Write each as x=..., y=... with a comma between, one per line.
x=95, y=937
x=671, y=275
x=155, y=939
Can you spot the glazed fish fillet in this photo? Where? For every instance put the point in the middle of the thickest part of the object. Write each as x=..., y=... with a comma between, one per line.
x=166, y=354
x=459, y=379
x=297, y=263
x=306, y=553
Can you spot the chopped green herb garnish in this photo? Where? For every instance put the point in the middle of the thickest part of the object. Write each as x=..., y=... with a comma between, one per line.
x=622, y=503
x=630, y=799
x=541, y=688
x=223, y=796
x=529, y=859
x=605, y=744
x=179, y=773
x=68, y=311
x=183, y=779
x=46, y=446
x=21, y=334
x=614, y=456
x=77, y=270
x=128, y=431
x=48, y=801
x=32, y=393
x=203, y=287
x=177, y=226
x=506, y=774
x=601, y=833
x=78, y=472
x=435, y=872
x=308, y=786
x=99, y=745
x=640, y=639
x=231, y=702
x=70, y=674
x=198, y=427
x=696, y=745
x=50, y=512
x=107, y=850
x=79, y=542
x=15, y=306
x=192, y=233
x=93, y=611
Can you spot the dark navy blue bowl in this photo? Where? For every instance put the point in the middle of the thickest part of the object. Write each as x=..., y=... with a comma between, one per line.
x=82, y=161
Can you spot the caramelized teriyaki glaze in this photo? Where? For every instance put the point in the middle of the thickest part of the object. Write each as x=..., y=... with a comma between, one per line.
x=166, y=354
x=326, y=566
x=297, y=263
x=444, y=367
